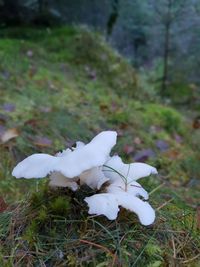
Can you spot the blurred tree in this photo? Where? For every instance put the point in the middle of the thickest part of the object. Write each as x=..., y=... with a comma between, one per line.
x=10, y=12
x=112, y=17
x=158, y=35
x=43, y=16
x=167, y=12
x=131, y=29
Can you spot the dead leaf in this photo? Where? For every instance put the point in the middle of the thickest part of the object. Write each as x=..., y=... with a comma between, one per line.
x=120, y=133
x=2, y=130
x=45, y=109
x=3, y=118
x=144, y=155
x=3, y=205
x=91, y=73
x=138, y=245
x=9, y=107
x=114, y=107
x=173, y=154
x=128, y=149
x=103, y=107
x=162, y=145
x=178, y=138
x=123, y=126
x=29, y=53
x=32, y=122
x=196, y=122
x=9, y=134
x=32, y=71
x=137, y=141
x=42, y=141
x=155, y=129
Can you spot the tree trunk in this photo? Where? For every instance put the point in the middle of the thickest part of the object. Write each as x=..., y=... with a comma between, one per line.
x=112, y=18
x=42, y=6
x=166, y=48
x=10, y=12
x=165, y=60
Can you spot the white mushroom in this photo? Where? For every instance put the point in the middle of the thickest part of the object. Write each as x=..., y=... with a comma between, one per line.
x=80, y=162
x=115, y=169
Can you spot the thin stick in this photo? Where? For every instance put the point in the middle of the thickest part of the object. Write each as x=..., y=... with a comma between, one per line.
x=114, y=256
x=194, y=258
x=174, y=247
x=164, y=204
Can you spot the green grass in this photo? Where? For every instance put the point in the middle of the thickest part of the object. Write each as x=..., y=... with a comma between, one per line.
x=56, y=229
x=67, y=84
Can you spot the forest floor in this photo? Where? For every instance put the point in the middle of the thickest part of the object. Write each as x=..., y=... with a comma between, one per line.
x=60, y=86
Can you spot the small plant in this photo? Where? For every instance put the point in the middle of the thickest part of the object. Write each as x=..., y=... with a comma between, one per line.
x=91, y=164
x=60, y=205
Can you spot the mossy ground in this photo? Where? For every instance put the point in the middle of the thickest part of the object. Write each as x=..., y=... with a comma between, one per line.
x=67, y=85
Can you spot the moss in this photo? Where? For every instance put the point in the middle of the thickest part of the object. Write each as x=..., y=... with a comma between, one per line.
x=48, y=233
x=60, y=205
x=165, y=117
x=37, y=198
x=181, y=93
x=43, y=214
x=120, y=117
x=153, y=249
x=190, y=165
x=66, y=92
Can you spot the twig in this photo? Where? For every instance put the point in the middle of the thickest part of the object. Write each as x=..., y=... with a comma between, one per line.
x=164, y=204
x=182, y=245
x=194, y=258
x=114, y=256
x=174, y=247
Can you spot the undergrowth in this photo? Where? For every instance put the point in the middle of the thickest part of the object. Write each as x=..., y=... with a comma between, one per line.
x=53, y=228
x=68, y=84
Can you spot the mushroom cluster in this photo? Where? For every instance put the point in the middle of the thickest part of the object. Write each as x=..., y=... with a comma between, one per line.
x=91, y=164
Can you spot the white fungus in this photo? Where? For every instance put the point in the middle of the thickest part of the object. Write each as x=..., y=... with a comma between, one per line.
x=92, y=165
x=69, y=163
